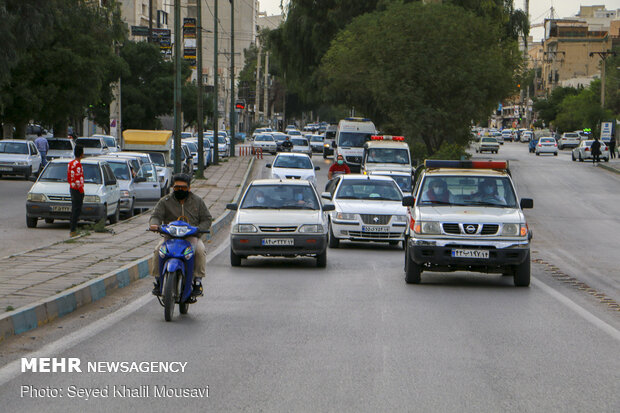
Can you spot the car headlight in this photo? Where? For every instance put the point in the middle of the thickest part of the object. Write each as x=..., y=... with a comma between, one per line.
x=514, y=230
x=188, y=253
x=125, y=194
x=20, y=163
x=346, y=216
x=244, y=228
x=92, y=199
x=315, y=229
x=36, y=197
x=163, y=251
x=427, y=228
x=399, y=218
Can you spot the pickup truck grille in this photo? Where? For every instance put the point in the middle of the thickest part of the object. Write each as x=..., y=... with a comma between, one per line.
x=489, y=229
x=451, y=228
x=455, y=229
x=372, y=219
x=278, y=229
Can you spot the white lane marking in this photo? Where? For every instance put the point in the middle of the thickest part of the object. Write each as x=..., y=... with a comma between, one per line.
x=585, y=314
x=13, y=369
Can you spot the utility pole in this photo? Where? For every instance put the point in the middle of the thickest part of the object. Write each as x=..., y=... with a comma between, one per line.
x=604, y=56
x=232, y=78
x=215, y=88
x=266, y=93
x=177, y=86
x=257, y=90
x=199, y=115
x=150, y=21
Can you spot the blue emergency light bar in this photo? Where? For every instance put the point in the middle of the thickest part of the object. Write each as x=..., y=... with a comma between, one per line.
x=358, y=119
x=432, y=163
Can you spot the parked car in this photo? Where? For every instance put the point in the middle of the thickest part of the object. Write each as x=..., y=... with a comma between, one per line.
x=50, y=199
x=301, y=145
x=584, y=151
x=546, y=145
x=283, y=218
x=60, y=148
x=293, y=166
x=206, y=144
x=569, y=140
x=187, y=165
x=93, y=146
x=19, y=157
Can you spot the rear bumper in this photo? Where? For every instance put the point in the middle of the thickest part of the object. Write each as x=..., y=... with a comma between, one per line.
x=90, y=212
x=252, y=244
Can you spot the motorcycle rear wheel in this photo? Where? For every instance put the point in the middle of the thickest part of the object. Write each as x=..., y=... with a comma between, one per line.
x=170, y=286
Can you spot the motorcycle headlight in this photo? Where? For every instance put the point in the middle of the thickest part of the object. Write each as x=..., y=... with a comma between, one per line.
x=427, y=228
x=346, y=216
x=399, y=218
x=315, y=229
x=244, y=228
x=188, y=253
x=177, y=231
x=125, y=194
x=36, y=197
x=511, y=230
x=92, y=199
x=163, y=251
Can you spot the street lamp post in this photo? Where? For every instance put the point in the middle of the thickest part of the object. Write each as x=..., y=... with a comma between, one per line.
x=232, y=78
x=604, y=56
x=177, y=86
x=215, y=87
x=199, y=115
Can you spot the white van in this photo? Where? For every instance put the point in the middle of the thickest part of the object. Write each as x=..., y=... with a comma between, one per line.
x=386, y=153
x=351, y=135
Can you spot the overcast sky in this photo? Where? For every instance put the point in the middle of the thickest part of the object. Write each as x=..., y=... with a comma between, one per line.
x=539, y=9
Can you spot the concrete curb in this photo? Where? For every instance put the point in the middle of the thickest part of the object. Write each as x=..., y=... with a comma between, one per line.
x=609, y=168
x=46, y=310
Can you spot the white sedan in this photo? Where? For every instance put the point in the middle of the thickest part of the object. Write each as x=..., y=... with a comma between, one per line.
x=265, y=142
x=293, y=166
x=486, y=143
x=301, y=145
x=368, y=208
x=546, y=145
x=19, y=157
x=584, y=151
x=283, y=218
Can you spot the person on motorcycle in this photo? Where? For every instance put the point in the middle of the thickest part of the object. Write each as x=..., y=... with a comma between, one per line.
x=186, y=206
x=338, y=167
x=287, y=145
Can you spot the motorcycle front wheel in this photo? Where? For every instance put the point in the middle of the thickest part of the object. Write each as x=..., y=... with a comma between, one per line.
x=170, y=293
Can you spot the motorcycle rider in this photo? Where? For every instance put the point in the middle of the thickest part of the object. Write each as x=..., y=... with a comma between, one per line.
x=287, y=145
x=186, y=206
x=339, y=167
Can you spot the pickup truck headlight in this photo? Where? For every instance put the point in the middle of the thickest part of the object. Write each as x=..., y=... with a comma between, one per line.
x=514, y=230
x=346, y=216
x=92, y=199
x=244, y=228
x=315, y=229
x=399, y=218
x=427, y=228
x=36, y=197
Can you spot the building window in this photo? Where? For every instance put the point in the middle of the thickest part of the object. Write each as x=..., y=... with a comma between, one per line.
x=162, y=18
x=145, y=9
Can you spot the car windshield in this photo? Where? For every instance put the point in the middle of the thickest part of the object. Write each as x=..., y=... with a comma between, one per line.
x=192, y=146
x=296, y=162
x=110, y=141
x=549, y=140
x=89, y=143
x=294, y=133
x=14, y=147
x=57, y=172
x=489, y=140
x=317, y=139
x=299, y=142
x=353, y=139
x=264, y=138
x=120, y=169
x=60, y=144
x=279, y=137
x=467, y=191
x=388, y=155
x=280, y=197
x=403, y=182
x=157, y=158
x=368, y=189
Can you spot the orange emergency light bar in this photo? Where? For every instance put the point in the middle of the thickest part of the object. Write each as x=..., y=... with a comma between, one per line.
x=387, y=138
x=432, y=163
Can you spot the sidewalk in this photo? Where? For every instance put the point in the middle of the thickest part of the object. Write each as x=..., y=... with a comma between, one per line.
x=27, y=279
x=613, y=165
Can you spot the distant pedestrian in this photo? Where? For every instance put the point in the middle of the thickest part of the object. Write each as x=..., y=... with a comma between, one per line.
x=43, y=146
x=612, y=147
x=75, y=177
x=596, y=151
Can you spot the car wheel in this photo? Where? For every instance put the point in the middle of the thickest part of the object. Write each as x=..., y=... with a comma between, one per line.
x=580, y=158
x=573, y=157
x=235, y=260
x=333, y=241
x=606, y=159
x=413, y=271
x=49, y=220
x=321, y=259
x=521, y=277
x=114, y=218
x=130, y=212
x=31, y=222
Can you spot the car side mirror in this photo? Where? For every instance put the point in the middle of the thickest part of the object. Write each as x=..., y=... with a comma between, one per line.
x=327, y=195
x=527, y=203
x=408, y=201
x=317, y=168
x=232, y=207
x=329, y=207
x=139, y=179
x=268, y=165
x=334, y=144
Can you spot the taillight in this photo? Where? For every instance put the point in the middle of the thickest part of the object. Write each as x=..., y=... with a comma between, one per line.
x=587, y=149
x=540, y=144
x=555, y=144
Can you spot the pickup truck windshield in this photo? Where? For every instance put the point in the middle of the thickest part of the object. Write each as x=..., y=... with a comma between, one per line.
x=467, y=191
x=388, y=155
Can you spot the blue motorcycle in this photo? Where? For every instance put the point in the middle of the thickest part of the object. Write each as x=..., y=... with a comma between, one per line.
x=176, y=266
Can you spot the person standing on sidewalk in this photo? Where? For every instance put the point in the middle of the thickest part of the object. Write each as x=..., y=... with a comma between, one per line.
x=75, y=177
x=596, y=151
x=612, y=147
x=43, y=146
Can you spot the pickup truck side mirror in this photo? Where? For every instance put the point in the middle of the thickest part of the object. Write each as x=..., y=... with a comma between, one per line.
x=232, y=207
x=527, y=203
x=327, y=195
x=408, y=201
x=329, y=207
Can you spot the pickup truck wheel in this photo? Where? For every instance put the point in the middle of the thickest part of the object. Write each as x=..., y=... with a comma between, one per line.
x=413, y=271
x=521, y=276
x=31, y=222
x=333, y=241
x=235, y=260
x=321, y=259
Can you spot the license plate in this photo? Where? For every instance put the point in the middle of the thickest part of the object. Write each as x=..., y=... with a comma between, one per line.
x=57, y=208
x=480, y=254
x=5, y=168
x=375, y=229
x=278, y=241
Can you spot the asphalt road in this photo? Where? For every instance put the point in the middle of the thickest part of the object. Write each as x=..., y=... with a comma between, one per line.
x=282, y=335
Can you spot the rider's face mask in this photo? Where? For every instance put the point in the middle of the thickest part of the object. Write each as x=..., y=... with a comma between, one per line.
x=181, y=193
x=340, y=161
